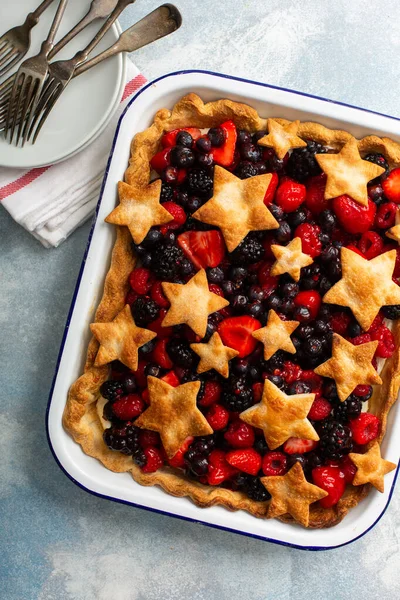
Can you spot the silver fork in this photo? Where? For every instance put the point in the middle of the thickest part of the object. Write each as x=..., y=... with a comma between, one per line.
x=15, y=42
x=29, y=83
x=161, y=22
x=99, y=9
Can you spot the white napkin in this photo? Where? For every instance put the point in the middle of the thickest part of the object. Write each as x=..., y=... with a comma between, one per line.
x=51, y=202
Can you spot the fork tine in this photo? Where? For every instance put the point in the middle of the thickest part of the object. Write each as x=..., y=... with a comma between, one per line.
x=13, y=105
x=49, y=108
x=12, y=61
x=27, y=110
x=7, y=54
x=53, y=92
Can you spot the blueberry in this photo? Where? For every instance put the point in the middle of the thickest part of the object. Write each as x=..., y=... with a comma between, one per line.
x=308, y=283
x=194, y=204
x=239, y=302
x=205, y=160
x=324, y=313
x=335, y=270
x=327, y=220
x=129, y=383
x=250, y=152
x=277, y=380
x=217, y=136
x=304, y=331
x=261, y=167
x=184, y=139
x=301, y=313
x=238, y=274
x=297, y=217
x=240, y=366
x=243, y=136
x=228, y=288
x=324, y=238
x=274, y=301
x=182, y=157
x=152, y=370
x=254, y=373
x=329, y=254
x=276, y=212
x=297, y=458
x=322, y=327
x=256, y=293
x=255, y=309
x=313, y=346
x=354, y=329
x=258, y=135
x=182, y=198
x=290, y=289
x=283, y=233
x=170, y=237
x=215, y=275
x=186, y=267
x=392, y=311
x=324, y=285
x=203, y=145
x=170, y=174
x=152, y=238
x=299, y=387
x=287, y=306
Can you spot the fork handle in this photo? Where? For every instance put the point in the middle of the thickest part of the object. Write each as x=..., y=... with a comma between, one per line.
x=33, y=17
x=49, y=41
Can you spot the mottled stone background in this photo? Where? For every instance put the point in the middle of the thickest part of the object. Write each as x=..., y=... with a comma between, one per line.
x=58, y=542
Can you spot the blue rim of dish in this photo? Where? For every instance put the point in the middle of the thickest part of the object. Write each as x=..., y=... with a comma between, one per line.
x=71, y=310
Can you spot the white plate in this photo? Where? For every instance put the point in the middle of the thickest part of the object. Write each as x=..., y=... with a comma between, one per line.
x=86, y=107
x=89, y=473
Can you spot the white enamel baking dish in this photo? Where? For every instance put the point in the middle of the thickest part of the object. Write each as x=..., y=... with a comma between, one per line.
x=90, y=474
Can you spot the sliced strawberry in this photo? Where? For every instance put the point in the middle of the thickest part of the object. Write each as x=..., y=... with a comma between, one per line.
x=309, y=235
x=171, y=378
x=311, y=300
x=236, y=332
x=161, y=160
x=315, y=194
x=179, y=217
x=211, y=394
x=391, y=186
x=290, y=195
x=160, y=354
x=370, y=244
x=274, y=463
x=298, y=446
x=178, y=460
x=203, y=248
x=386, y=215
x=246, y=460
x=353, y=217
x=239, y=434
x=128, y=407
x=219, y=470
x=141, y=280
x=330, y=479
x=365, y=428
x=320, y=409
x=217, y=416
x=224, y=155
x=169, y=138
x=154, y=460
x=270, y=193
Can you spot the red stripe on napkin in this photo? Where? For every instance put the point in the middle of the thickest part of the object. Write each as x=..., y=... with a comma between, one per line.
x=17, y=185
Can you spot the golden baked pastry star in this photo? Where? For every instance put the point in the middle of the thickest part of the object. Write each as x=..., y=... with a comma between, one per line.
x=120, y=339
x=214, y=355
x=347, y=173
x=282, y=138
x=365, y=286
x=173, y=413
x=191, y=303
x=237, y=206
x=350, y=365
x=276, y=335
x=290, y=259
x=139, y=209
x=371, y=468
x=291, y=493
x=281, y=416
x=394, y=232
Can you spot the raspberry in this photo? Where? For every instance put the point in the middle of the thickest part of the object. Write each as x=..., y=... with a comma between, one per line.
x=309, y=235
x=386, y=345
x=141, y=280
x=128, y=407
x=160, y=355
x=361, y=339
x=218, y=417
x=257, y=391
x=179, y=217
x=270, y=193
x=246, y=460
x=340, y=322
x=386, y=215
x=289, y=195
x=274, y=463
x=239, y=434
x=363, y=391
x=370, y=244
x=353, y=217
x=291, y=371
x=149, y=438
x=320, y=409
x=157, y=295
x=365, y=428
x=311, y=300
x=178, y=460
x=150, y=460
x=211, y=393
x=315, y=194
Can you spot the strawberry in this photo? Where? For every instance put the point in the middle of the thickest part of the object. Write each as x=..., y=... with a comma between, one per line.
x=211, y=394
x=391, y=186
x=128, y=407
x=171, y=378
x=310, y=299
x=160, y=355
x=315, y=194
x=236, y=332
x=353, y=217
x=178, y=460
x=331, y=479
x=387, y=344
x=179, y=217
x=386, y=215
x=370, y=244
x=161, y=160
x=149, y=438
x=140, y=377
x=355, y=249
x=219, y=470
x=365, y=428
x=290, y=195
x=348, y=469
x=154, y=460
x=217, y=416
x=141, y=280
x=169, y=138
x=320, y=409
x=246, y=460
x=309, y=235
x=224, y=155
x=298, y=446
x=270, y=193
x=203, y=248
x=239, y=435
x=274, y=463
x=157, y=295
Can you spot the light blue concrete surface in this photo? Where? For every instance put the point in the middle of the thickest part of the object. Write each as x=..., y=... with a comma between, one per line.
x=58, y=542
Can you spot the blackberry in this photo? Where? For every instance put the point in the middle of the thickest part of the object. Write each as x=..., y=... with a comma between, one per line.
x=167, y=192
x=166, y=261
x=199, y=181
x=125, y=440
x=180, y=353
x=335, y=440
x=111, y=390
x=237, y=394
x=377, y=159
x=144, y=311
x=246, y=169
x=249, y=251
x=349, y=409
x=275, y=362
x=392, y=311
x=255, y=489
x=302, y=163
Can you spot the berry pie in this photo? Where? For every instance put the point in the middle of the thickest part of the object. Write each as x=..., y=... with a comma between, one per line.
x=246, y=348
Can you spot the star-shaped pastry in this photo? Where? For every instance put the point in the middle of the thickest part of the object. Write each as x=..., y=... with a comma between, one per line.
x=276, y=335
x=120, y=339
x=282, y=138
x=290, y=259
x=365, y=286
x=394, y=232
x=291, y=493
x=139, y=209
x=214, y=355
x=173, y=413
x=371, y=468
x=237, y=206
x=191, y=303
x=350, y=365
x=281, y=416
x=347, y=173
